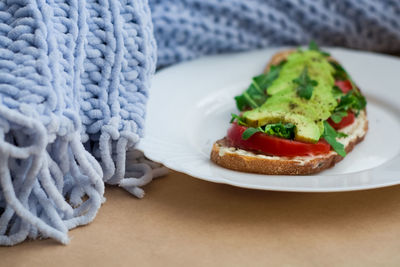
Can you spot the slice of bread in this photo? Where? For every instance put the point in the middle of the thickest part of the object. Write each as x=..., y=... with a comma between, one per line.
x=245, y=161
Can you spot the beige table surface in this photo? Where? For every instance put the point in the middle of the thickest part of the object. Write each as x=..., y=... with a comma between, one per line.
x=183, y=221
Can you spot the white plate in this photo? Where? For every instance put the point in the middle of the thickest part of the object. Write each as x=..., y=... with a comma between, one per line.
x=190, y=105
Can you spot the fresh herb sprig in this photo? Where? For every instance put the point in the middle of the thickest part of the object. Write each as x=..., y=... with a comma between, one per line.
x=337, y=116
x=284, y=130
x=305, y=85
x=337, y=93
x=239, y=120
x=330, y=136
x=353, y=100
x=249, y=132
x=313, y=46
x=256, y=94
x=340, y=73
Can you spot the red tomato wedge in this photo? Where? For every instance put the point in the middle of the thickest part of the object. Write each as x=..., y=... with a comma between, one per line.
x=347, y=120
x=272, y=145
x=345, y=86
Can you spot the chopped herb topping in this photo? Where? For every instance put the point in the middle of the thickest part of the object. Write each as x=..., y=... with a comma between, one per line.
x=305, y=85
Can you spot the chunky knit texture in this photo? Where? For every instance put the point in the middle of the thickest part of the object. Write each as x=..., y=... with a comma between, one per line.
x=74, y=78
x=73, y=85
x=186, y=29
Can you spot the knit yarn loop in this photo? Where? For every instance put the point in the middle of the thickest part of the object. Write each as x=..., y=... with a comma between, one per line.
x=74, y=76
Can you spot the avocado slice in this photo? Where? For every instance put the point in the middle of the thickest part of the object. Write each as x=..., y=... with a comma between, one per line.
x=284, y=104
x=306, y=130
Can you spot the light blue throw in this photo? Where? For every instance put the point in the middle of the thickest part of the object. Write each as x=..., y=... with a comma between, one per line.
x=186, y=29
x=74, y=80
x=73, y=86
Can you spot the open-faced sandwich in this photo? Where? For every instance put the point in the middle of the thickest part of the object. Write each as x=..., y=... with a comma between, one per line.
x=301, y=116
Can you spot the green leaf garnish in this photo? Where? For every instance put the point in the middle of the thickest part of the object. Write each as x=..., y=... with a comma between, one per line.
x=337, y=93
x=341, y=135
x=353, y=100
x=249, y=132
x=338, y=116
x=256, y=94
x=313, y=46
x=340, y=73
x=305, y=85
x=238, y=119
x=281, y=130
x=330, y=136
x=284, y=130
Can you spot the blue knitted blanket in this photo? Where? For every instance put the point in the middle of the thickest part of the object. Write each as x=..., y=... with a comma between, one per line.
x=74, y=79
x=73, y=85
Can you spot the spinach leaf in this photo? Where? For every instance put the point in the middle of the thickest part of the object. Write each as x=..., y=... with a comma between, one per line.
x=305, y=85
x=330, y=136
x=256, y=94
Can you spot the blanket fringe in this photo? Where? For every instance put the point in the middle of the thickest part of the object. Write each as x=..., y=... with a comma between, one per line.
x=47, y=187
x=122, y=165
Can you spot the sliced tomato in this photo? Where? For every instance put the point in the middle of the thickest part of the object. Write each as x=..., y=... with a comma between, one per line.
x=272, y=145
x=346, y=121
x=345, y=86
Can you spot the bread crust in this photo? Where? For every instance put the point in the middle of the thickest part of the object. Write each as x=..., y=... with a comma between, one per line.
x=278, y=58
x=278, y=165
x=253, y=163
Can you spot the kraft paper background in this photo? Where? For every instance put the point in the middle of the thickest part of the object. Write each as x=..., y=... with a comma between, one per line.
x=183, y=221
